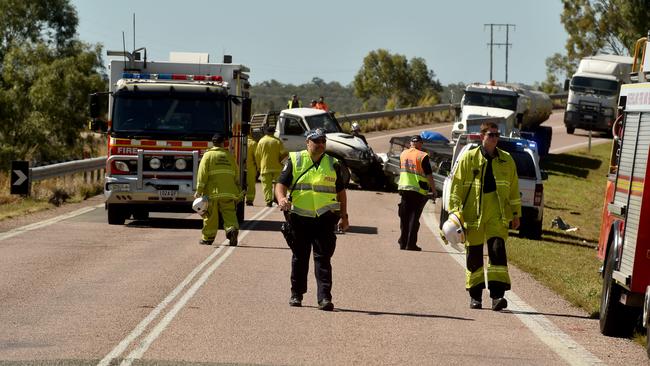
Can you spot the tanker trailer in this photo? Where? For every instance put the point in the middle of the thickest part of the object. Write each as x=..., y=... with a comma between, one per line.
x=533, y=108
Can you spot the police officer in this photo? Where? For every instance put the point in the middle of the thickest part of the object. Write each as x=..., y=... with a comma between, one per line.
x=485, y=191
x=268, y=155
x=217, y=179
x=356, y=132
x=318, y=202
x=251, y=171
x=415, y=182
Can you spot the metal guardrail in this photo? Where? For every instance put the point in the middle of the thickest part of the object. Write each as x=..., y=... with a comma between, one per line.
x=397, y=112
x=70, y=167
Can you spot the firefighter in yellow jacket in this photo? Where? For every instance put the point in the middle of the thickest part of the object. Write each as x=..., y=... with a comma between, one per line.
x=217, y=179
x=251, y=171
x=269, y=154
x=485, y=191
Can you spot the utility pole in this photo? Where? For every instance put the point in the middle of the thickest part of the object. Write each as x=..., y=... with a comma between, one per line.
x=492, y=43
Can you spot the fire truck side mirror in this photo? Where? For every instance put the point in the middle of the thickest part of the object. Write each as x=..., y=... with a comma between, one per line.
x=93, y=105
x=247, y=109
x=245, y=128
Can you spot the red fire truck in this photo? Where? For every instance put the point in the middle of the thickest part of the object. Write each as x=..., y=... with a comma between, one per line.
x=161, y=118
x=624, y=243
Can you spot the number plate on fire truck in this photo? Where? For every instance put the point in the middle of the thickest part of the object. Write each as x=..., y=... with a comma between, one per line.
x=167, y=194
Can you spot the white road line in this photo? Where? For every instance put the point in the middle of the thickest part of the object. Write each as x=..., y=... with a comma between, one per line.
x=558, y=341
x=155, y=333
x=44, y=223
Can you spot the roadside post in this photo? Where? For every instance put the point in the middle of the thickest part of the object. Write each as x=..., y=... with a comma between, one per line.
x=20, y=182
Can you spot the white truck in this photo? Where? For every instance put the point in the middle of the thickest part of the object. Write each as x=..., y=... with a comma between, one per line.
x=161, y=118
x=517, y=110
x=290, y=127
x=593, y=92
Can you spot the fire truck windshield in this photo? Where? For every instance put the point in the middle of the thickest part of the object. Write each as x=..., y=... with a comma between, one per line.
x=184, y=117
x=491, y=100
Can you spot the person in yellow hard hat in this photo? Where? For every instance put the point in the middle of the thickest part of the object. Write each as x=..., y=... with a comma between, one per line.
x=485, y=191
x=312, y=189
x=269, y=154
x=217, y=179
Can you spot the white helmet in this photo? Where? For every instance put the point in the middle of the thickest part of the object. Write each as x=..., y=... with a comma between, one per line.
x=355, y=126
x=200, y=205
x=453, y=230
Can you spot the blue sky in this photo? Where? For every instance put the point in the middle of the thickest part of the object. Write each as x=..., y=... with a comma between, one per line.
x=294, y=41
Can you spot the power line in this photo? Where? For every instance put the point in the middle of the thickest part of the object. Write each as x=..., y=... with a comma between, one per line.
x=492, y=43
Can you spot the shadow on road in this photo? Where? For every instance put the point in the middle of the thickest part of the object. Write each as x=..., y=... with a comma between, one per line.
x=588, y=317
x=166, y=223
x=416, y=315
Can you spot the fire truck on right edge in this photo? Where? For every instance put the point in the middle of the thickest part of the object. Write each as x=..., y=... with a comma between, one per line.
x=624, y=244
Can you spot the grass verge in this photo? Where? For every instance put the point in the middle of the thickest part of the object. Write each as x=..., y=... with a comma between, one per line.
x=46, y=195
x=567, y=262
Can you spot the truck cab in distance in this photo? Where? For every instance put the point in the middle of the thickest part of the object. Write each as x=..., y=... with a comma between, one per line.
x=593, y=92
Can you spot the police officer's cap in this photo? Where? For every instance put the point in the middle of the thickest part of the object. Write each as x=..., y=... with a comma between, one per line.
x=416, y=138
x=315, y=134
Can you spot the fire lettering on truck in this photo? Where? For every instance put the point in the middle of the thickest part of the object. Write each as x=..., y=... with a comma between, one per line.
x=127, y=150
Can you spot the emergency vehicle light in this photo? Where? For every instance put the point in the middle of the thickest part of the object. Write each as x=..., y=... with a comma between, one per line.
x=148, y=76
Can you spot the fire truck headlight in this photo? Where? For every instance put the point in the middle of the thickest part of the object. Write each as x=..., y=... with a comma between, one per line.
x=180, y=164
x=121, y=166
x=154, y=163
x=118, y=187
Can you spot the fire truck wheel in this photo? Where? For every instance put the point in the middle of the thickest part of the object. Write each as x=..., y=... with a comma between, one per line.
x=614, y=321
x=116, y=215
x=570, y=130
x=141, y=214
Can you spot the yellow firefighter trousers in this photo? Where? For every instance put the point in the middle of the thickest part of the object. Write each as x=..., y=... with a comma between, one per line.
x=225, y=207
x=491, y=226
x=251, y=178
x=267, y=185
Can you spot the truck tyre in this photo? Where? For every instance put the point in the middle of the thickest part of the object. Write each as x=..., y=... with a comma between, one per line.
x=240, y=212
x=570, y=130
x=614, y=322
x=141, y=214
x=116, y=215
x=533, y=230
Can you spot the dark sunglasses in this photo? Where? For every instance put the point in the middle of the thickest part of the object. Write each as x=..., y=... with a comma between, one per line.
x=493, y=134
x=319, y=141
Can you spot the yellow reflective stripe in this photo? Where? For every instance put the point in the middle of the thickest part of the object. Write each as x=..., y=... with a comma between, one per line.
x=303, y=212
x=473, y=278
x=223, y=195
x=412, y=171
x=331, y=207
x=515, y=202
x=498, y=273
x=221, y=171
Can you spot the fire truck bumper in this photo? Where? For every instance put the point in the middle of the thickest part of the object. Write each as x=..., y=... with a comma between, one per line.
x=157, y=195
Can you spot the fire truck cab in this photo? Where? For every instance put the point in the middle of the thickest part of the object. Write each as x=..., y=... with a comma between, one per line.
x=161, y=119
x=624, y=244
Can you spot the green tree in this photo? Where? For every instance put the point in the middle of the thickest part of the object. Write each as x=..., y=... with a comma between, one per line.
x=46, y=75
x=393, y=78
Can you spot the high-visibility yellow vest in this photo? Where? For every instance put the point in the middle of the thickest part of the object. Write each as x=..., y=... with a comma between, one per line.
x=315, y=193
x=411, y=173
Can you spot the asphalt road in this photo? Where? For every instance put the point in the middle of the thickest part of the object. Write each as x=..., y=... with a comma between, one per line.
x=74, y=290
